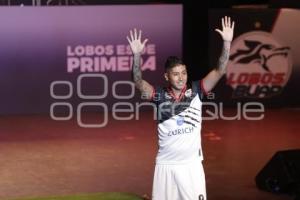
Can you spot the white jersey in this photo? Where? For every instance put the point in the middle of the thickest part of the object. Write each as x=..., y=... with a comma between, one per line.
x=179, y=125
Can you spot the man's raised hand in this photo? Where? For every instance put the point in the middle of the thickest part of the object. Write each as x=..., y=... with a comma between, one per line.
x=227, y=29
x=135, y=41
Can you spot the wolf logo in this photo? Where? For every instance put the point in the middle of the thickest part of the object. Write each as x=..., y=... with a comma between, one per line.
x=257, y=52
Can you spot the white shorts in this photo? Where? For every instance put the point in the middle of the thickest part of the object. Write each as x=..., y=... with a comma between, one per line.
x=179, y=182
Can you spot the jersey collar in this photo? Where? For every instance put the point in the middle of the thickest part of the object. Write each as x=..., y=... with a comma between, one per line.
x=177, y=99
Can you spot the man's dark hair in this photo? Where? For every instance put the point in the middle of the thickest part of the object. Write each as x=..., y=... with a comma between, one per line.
x=172, y=61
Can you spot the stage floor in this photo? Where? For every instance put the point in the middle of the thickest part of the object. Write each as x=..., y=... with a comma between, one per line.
x=41, y=157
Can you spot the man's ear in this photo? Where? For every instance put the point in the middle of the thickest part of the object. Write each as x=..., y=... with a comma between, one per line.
x=166, y=77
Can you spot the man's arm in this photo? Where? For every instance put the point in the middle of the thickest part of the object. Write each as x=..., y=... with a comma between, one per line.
x=212, y=78
x=137, y=47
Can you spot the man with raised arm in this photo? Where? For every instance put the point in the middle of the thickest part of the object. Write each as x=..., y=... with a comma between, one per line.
x=179, y=172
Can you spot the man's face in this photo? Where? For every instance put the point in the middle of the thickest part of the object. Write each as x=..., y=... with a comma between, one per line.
x=177, y=77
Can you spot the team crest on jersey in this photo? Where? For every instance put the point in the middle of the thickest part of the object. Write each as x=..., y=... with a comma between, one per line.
x=188, y=93
x=180, y=121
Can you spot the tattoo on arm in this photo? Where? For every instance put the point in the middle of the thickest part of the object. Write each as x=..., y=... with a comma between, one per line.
x=144, y=87
x=223, y=60
x=136, y=69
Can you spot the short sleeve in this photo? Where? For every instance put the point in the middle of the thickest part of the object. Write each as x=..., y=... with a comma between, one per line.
x=198, y=88
x=157, y=95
